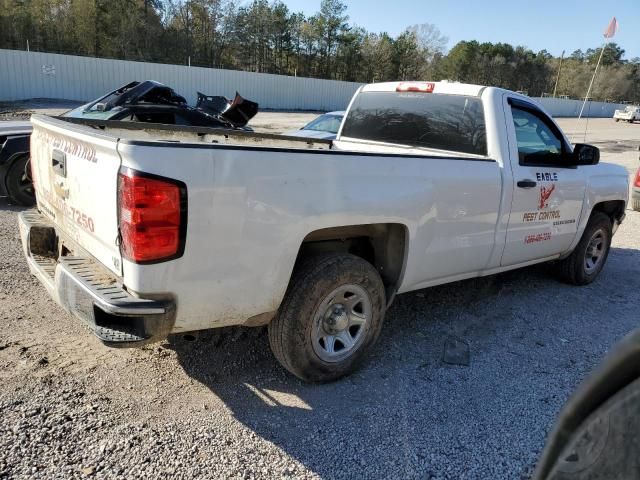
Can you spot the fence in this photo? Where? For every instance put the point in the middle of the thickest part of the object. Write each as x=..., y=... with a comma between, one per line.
x=559, y=107
x=25, y=75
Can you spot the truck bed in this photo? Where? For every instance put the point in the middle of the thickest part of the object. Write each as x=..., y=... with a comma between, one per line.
x=190, y=134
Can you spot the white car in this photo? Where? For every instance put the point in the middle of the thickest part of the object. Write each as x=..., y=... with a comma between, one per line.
x=143, y=232
x=325, y=126
x=629, y=114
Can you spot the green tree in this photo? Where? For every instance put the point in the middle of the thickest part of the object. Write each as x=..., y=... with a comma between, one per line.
x=612, y=54
x=265, y=36
x=332, y=24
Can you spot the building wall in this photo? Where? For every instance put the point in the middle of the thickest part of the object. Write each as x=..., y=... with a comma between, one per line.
x=25, y=75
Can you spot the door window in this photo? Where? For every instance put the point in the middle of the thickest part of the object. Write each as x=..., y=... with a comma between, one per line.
x=538, y=143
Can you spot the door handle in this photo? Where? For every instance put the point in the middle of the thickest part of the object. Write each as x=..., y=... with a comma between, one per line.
x=526, y=183
x=59, y=163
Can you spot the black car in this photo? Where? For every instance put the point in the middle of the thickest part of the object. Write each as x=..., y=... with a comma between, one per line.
x=148, y=102
x=15, y=180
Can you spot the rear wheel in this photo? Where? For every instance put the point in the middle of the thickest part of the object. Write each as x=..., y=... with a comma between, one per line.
x=587, y=260
x=636, y=204
x=19, y=184
x=331, y=316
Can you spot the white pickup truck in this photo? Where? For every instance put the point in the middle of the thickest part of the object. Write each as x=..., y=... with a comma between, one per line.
x=629, y=114
x=145, y=230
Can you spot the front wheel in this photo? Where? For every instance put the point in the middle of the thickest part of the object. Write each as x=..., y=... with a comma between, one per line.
x=587, y=260
x=330, y=317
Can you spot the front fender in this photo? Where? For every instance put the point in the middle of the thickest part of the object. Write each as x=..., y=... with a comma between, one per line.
x=608, y=182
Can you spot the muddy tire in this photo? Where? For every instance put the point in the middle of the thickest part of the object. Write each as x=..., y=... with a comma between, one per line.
x=636, y=205
x=330, y=317
x=587, y=260
x=18, y=181
x=600, y=446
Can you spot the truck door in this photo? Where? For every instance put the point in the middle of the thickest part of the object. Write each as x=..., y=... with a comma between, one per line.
x=548, y=191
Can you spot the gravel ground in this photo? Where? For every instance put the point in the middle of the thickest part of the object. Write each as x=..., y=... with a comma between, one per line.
x=219, y=406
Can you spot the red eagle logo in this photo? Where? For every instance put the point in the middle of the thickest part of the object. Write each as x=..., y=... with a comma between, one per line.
x=545, y=193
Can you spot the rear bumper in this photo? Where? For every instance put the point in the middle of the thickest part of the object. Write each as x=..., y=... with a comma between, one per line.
x=89, y=291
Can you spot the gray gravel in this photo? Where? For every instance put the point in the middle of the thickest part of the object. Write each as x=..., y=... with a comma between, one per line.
x=221, y=407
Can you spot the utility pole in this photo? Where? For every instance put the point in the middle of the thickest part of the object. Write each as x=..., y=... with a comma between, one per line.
x=555, y=87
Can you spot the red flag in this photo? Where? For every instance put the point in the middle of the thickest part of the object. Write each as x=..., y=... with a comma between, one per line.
x=611, y=29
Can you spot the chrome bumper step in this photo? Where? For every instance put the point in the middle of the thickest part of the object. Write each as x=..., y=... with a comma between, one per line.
x=89, y=291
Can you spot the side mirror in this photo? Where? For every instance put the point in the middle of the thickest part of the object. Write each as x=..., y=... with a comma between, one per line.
x=584, y=154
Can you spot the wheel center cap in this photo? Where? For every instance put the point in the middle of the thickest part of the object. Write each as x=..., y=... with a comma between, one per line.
x=336, y=319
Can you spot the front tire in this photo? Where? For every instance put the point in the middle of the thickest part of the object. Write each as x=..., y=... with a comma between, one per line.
x=19, y=184
x=588, y=259
x=330, y=317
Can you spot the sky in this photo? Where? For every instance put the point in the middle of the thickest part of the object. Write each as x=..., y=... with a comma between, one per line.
x=538, y=24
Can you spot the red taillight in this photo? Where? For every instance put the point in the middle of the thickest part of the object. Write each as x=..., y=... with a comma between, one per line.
x=637, y=182
x=152, y=217
x=416, y=87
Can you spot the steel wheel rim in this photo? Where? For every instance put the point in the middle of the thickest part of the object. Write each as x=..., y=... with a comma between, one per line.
x=341, y=322
x=26, y=183
x=595, y=252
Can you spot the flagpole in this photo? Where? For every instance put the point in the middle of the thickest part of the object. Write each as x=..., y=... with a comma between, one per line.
x=609, y=33
x=604, y=45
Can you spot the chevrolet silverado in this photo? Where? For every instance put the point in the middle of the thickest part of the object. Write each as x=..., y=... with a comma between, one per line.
x=147, y=230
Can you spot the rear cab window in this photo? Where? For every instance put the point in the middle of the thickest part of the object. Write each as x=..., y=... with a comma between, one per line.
x=437, y=121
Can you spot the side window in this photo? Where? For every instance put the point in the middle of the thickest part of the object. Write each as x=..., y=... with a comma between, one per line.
x=538, y=144
x=167, y=118
x=126, y=117
x=325, y=123
x=180, y=120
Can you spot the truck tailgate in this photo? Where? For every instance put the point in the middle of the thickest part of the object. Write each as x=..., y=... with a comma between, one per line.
x=75, y=171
